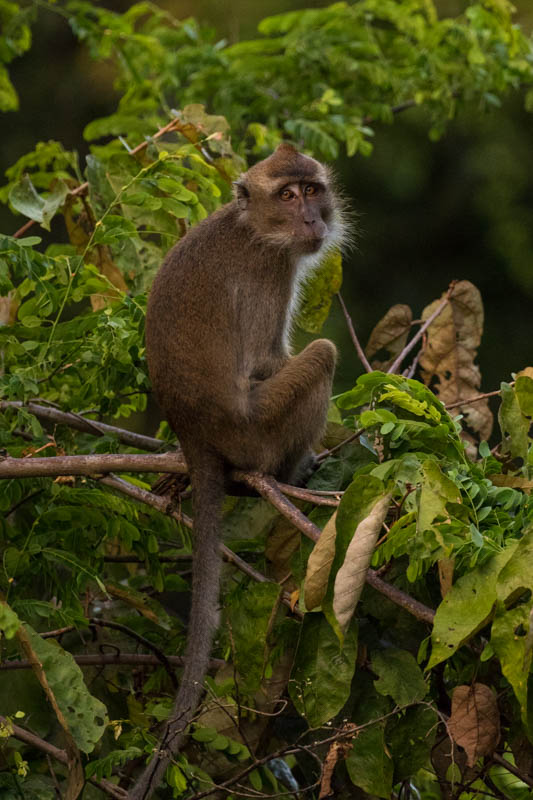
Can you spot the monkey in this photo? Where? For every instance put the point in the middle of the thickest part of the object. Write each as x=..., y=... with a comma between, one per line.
x=218, y=325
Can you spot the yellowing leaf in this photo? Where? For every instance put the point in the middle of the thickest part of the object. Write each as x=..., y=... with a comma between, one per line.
x=319, y=565
x=350, y=578
x=318, y=292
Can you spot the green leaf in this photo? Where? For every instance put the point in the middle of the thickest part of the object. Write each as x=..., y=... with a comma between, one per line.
x=410, y=738
x=369, y=764
x=9, y=100
x=467, y=607
x=9, y=621
x=24, y=198
x=103, y=767
x=516, y=575
x=323, y=670
x=436, y=490
x=318, y=293
x=85, y=715
x=511, y=640
x=399, y=676
x=250, y=619
x=513, y=423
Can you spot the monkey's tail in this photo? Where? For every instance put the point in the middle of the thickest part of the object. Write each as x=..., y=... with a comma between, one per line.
x=207, y=480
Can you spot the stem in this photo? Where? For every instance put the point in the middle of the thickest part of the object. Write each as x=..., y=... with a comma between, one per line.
x=355, y=340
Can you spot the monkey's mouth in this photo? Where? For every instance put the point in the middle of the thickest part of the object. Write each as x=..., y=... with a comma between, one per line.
x=313, y=244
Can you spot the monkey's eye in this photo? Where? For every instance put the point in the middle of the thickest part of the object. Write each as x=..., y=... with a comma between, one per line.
x=286, y=194
x=310, y=189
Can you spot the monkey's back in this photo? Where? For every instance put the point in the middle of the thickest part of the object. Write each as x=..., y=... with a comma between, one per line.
x=204, y=336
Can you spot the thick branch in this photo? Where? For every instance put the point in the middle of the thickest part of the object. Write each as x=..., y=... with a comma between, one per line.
x=91, y=465
x=80, y=423
x=61, y=756
x=104, y=659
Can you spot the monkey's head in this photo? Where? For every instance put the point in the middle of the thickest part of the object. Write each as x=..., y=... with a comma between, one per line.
x=288, y=202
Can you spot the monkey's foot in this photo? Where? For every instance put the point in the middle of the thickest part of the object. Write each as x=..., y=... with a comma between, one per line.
x=171, y=484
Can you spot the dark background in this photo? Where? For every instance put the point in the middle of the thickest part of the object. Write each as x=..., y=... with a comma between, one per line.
x=427, y=212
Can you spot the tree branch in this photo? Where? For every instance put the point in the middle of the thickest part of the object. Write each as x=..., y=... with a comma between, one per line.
x=104, y=659
x=60, y=755
x=91, y=464
x=80, y=423
x=158, y=653
x=265, y=485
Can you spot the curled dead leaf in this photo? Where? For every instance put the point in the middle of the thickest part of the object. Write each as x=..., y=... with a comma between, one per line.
x=447, y=360
x=350, y=578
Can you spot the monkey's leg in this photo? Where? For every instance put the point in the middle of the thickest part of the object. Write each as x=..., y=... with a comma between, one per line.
x=287, y=414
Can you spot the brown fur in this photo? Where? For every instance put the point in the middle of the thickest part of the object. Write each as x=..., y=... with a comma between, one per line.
x=217, y=344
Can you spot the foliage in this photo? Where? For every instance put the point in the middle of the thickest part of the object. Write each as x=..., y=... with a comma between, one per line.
x=445, y=518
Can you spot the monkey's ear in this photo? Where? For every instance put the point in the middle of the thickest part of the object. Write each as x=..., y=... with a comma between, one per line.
x=242, y=195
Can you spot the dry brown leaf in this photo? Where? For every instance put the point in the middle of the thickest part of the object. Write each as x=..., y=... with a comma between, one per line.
x=337, y=751
x=447, y=360
x=350, y=578
x=319, y=565
x=390, y=335
x=474, y=723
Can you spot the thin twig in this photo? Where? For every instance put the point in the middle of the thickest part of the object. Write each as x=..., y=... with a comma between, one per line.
x=396, y=364
x=475, y=399
x=309, y=495
x=80, y=423
x=105, y=659
x=327, y=453
x=137, y=560
x=60, y=755
x=355, y=340
x=158, y=653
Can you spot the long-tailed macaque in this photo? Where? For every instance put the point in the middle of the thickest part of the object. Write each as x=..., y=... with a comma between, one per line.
x=217, y=337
